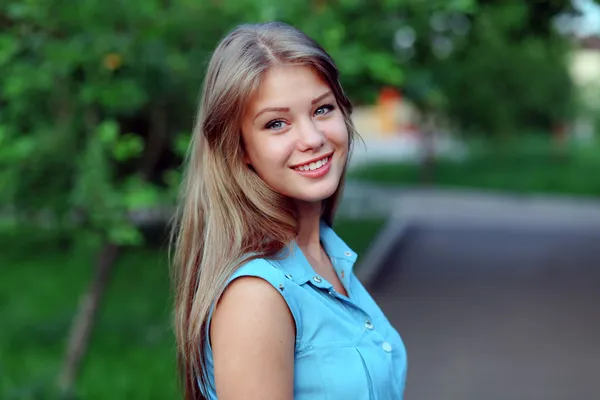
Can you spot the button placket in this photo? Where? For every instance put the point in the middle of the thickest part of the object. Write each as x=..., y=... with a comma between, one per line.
x=322, y=284
x=364, y=319
x=343, y=268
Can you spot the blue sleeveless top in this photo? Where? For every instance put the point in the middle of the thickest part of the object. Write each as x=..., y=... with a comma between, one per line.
x=345, y=346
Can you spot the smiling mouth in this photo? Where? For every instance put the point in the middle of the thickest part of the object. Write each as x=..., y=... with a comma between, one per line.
x=315, y=165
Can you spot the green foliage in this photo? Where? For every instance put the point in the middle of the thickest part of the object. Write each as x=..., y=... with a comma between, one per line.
x=505, y=79
x=97, y=105
x=88, y=95
x=494, y=67
x=93, y=98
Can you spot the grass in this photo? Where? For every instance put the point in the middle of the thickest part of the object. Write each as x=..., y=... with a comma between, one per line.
x=358, y=234
x=528, y=167
x=132, y=352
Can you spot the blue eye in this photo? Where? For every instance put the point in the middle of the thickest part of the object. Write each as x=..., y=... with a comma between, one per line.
x=275, y=125
x=324, y=109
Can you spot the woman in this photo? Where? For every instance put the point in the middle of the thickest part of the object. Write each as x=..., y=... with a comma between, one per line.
x=267, y=305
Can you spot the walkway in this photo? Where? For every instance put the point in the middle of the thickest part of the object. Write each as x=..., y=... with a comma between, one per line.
x=496, y=297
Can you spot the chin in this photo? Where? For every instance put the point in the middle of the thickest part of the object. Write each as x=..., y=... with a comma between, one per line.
x=312, y=200
x=314, y=195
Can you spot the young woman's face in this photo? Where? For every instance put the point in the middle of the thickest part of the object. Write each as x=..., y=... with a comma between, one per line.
x=294, y=134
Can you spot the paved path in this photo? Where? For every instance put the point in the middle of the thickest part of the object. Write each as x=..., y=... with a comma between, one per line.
x=496, y=311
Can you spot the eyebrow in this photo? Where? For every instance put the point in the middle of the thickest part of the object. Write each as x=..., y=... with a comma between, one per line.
x=286, y=109
x=268, y=109
x=321, y=97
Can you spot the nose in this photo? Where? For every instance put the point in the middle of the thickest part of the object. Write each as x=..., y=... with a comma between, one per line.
x=310, y=137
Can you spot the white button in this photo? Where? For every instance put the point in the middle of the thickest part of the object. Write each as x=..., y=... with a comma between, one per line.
x=386, y=347
x=317, y=279
x=288, y=276
x=368, y=325
x=348, y=254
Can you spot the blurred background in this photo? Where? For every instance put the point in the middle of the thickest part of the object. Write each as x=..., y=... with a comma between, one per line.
x=480, y=169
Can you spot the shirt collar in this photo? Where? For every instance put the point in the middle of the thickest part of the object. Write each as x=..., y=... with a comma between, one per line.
x=297, y=267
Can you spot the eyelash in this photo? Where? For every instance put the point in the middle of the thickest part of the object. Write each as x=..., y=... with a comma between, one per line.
x=328, y=107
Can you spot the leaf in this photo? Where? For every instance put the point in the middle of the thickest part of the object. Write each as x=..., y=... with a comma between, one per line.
x=17, y=150
x=127, y=146
x=125, y=235
x=182, y=143
x=108, y=131
x=138, y=193
x=8, y=48
x=385, y=68
x=3, y=135
x=122, y=95
x=465, y=6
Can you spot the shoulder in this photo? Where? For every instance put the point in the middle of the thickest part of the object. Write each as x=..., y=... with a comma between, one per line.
x=249, y=300
x=253, y=332
x=257, y=286
x=254, y=292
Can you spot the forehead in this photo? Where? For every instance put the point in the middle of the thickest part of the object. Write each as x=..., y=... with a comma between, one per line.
x=287, y=86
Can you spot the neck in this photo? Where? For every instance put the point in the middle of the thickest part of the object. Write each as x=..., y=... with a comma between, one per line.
x=309, y=218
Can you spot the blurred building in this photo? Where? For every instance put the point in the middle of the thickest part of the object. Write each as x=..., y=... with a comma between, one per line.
x=392, y=115
x=392, y=130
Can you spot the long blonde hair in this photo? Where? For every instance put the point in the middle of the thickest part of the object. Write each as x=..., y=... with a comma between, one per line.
x=226, y=212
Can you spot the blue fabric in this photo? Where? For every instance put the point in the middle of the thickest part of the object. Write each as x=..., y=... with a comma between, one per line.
x=345, y=346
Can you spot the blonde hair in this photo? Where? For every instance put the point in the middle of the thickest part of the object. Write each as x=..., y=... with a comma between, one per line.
x=227, y=215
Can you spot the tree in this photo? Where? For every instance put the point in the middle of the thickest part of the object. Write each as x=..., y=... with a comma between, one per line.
x=92, y=100
x=497, y=68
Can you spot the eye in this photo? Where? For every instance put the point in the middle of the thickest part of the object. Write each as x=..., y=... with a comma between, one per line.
x=275, y=125
x=324, y=109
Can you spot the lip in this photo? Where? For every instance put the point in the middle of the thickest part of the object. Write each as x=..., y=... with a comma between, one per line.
x=317, y=173
x=313, y=160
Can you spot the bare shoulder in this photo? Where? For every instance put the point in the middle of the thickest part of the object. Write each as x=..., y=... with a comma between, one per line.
x=252, y=335
x=252, y=301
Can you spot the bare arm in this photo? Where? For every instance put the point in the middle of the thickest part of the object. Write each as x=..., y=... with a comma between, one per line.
x=252, y=336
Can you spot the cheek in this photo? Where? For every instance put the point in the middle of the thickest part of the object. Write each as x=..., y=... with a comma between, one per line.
x=337, y=133
x=270, y=155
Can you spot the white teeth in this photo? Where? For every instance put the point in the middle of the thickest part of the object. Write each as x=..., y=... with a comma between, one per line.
x=313, y=165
